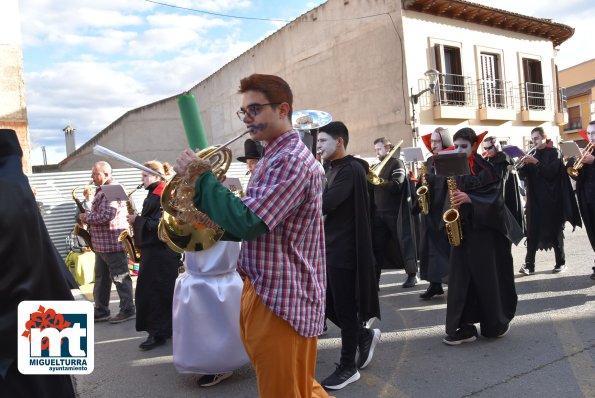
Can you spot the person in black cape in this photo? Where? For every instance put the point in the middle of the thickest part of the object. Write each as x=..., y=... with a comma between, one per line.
x=434, y=250
x=31, y=269
x=481, y=277
x=505, y=169
x=158, y=265
x=392, y=225
x=585, y=189
x=352, y=297
x=550, y=202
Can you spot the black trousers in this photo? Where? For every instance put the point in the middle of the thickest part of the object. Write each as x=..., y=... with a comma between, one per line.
x=341, y=309
x=558, y=250
x=385, y=231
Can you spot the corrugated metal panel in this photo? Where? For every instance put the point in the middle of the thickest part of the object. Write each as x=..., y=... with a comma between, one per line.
x=54, y=191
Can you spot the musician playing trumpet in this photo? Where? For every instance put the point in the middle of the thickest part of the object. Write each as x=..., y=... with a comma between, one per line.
x=481, y=277
x=550, y=202
x=585, y=188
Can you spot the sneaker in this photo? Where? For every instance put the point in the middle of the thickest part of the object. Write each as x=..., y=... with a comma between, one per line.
x=462, y=335
x=506, y=331
x=411, y=281
x=122, y=317
x=211, y=380
x=102, y=318
x=435, y=289
x=527, y=270
x=366, y=347
x=370, y=322
x=559, y=268
x=341, y=377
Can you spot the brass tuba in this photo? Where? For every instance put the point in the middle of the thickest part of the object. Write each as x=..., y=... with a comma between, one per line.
x=127, y=237
x=78, y=229
x=423, y=192
x=375, y=171
x=573, y=170
x=452, y=218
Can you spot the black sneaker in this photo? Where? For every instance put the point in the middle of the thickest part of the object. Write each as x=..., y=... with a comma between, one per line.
x=366, y=347
x=559, y=268
x=211, y=380
x=462, y=335
x=341, y=377
x=102, y=318
x=527, y=269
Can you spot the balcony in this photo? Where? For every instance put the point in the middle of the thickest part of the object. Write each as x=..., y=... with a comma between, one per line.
x=454, y=98
x=536, y=102
x=495, y=100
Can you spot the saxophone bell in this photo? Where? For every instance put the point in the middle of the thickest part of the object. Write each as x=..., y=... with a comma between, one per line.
x=452, y=218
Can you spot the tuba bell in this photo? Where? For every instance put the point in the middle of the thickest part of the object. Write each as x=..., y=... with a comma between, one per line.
x=452, y=218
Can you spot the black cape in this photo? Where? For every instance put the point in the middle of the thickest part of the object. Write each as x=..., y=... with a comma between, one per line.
x=550, y=200
x=585, y=192
x=481, y=276
x=348, y=235
x=512, y=194
x=397, y=198
x=158, y=269
x=434, y=250
x=31, y=269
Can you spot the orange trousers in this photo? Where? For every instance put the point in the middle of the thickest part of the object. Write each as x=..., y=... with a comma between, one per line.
x=283, y=359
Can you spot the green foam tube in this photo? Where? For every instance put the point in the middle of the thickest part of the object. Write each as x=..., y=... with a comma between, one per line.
x=195, y=130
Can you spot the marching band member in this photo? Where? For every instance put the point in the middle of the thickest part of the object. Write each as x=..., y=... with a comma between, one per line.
x=585, y=189
x=481, y=277
x=434, y=248
x=550, y=202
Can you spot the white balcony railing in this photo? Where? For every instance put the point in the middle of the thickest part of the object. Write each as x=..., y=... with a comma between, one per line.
x=495, y=93
x=535, y=97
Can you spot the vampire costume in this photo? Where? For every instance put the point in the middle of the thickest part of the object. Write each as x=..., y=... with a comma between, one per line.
x=31, y=269
x=512, y=194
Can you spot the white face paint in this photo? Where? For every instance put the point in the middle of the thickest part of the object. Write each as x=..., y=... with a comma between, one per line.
x=537, y=139
x=591, y=133
x=326, y=145
x=463, y=146
x=436, y=142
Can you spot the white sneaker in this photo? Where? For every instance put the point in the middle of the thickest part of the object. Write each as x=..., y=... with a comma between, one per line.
x=211, y=380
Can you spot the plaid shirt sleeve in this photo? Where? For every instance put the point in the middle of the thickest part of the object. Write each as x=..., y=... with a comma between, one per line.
x=103, y=213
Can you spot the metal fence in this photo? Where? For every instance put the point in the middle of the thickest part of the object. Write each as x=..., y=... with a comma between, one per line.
x=495, y=93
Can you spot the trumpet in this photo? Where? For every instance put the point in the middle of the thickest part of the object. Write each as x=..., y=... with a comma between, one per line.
x=519, y=164
x=573, y=170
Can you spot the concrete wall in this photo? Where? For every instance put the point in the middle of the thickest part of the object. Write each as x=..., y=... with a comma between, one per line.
x=578, y=74
x=13, y=112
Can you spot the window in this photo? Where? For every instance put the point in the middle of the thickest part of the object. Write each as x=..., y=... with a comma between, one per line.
x=492, y=87
x=574, y=118
x=452, y=82
x=533, y=84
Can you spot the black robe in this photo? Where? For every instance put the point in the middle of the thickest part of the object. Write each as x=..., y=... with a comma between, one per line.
x=158, y=269
x=30, y=269
x=550, y=200
x=434, y=250
x=481, y=276
x=512, y=194
x=348, y=237
x=395, y=197
x=585, y=192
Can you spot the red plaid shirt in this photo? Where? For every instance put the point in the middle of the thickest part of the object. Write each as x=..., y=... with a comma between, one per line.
x=287, y=265
x=106, y=221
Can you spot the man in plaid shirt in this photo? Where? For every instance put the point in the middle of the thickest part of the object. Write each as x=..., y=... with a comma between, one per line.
x=282, y=256
x=106, y=221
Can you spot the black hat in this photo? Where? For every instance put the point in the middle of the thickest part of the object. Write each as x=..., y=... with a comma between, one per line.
x=252, y=150
x=9, y=143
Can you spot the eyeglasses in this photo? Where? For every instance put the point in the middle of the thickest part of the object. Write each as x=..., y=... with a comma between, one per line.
x=253, y=110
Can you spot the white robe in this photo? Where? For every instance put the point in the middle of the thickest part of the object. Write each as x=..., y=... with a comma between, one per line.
x=206, y=312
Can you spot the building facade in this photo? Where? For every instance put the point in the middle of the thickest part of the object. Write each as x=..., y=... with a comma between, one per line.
x=579, y=83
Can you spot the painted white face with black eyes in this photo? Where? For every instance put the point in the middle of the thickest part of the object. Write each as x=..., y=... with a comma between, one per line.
x=463, y=146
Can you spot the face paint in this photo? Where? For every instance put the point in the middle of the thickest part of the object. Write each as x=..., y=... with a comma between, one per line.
x=591, y=133
x=463, y=146
x=537, y=139
x=326, y=145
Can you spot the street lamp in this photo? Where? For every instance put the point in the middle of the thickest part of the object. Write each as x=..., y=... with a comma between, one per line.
x=432, y=75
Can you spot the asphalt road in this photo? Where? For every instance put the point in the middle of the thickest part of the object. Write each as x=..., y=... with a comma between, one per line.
x=549, y=351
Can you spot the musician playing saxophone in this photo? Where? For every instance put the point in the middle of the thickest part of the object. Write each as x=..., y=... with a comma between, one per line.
x=585, y=189
x=158, y=265
x=107, y=220
x=434, y=250
x=481, y=277
x=550, y=202
x=392, y=221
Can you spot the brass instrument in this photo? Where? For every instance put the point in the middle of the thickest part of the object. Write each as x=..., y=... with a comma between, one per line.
x=423, y=192
x=451, y=217
x=519, y=163
x=574, y=169
x=127, y=237
x=375, y=170
x=78, y=229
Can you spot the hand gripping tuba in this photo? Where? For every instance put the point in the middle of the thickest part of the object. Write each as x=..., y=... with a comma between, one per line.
x=423, y=192
x=452, y=218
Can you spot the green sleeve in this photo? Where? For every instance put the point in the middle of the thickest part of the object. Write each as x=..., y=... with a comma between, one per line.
x=226, y=209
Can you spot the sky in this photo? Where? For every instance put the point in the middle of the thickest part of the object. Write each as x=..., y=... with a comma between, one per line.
x=88, y=62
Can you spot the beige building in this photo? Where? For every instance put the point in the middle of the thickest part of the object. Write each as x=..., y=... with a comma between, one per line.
x=361, y=61
x=579, y=83
x=13, y=111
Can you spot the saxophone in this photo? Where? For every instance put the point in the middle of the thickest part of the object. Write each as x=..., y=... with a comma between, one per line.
x=451, y=217
x=423, y=192
x=127, y=237
x=78, y=227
